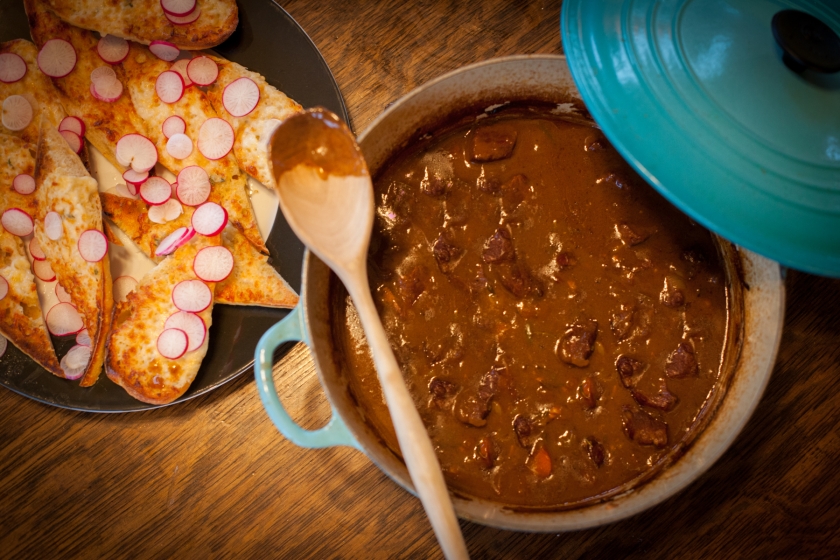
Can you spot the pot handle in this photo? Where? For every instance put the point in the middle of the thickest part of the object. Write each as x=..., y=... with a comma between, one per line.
x=292, y=328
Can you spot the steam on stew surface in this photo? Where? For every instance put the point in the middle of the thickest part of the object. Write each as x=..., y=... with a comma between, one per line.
x=559, y=324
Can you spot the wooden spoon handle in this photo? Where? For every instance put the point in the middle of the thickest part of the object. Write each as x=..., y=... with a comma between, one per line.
x=415, y=444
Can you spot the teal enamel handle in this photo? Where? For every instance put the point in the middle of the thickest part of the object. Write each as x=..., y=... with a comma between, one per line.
x=292, y=328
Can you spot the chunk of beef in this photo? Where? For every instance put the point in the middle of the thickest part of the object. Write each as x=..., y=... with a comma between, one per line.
x=441, y=389
x=434, y=185
x=516, y=279
x=671, y=294
x=397, y=203
x=514, y=192
x=628, y=369
x=499, y=247
x=631, y=235
x=664, y=400
x=589, y=392
x=474, y=408
x=595, y=450
x=524, y=430
x=445, y=252
x=577, y=343
x=564, y=260
x=412, y=283
x=493, y=142
x=489, y=384
x=487, y=183
x=681, y=362
x=643, y=428
x=621, y=321
x=486, y=452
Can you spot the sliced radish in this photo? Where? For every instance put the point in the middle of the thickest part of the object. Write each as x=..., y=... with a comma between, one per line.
x=93, y=245
x=17, y=222
x=193, y=185
x=213, y=264
x=75, y=361
x=102, y=75
x=63, y=319
x=73, y=124
x=179, y=146
x=53, y=226
x=123, y=192
x=62, y=294
x=155, y=190
x=3, y=345
x=17, y=112
x=166, y=212
x=215, y=138
x=241, y=96
x=192, y=295
x=137, y=151
x=111, y=49
x=24, y=183
x=178, y=7
x=83, y=338
x=12, y=67
x=180, y=66
x=172, y=343
x=184, y=20
x=169, y=86
x=108, y=92
x=191, y=324
x=135, y=178
x=73, y=140
x=174, y=240
x=57, y=58
x=164, y=50
x=209, y=219
x=4, y=287
x=132, y=189
x=123, y=286
x=202, y=70
x=43, y=271
x=173, y=125
x=35, y=250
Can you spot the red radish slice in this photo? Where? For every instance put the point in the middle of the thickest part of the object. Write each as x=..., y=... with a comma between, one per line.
x=57, y=58
x=17, y=222
x=172, y=343
x=62, y=294
x=135, y=178
x=35, y=250
x=213, y=264
x=111, y=49
x=202, y=70
x=17, y=112
x=215, y=138
x=83, y=338
x=53, y=226
x=73, y=140
x=164, y=50
x=173, y=125
x=93, y=245
x=166, y=212
x=169, y=86
x=63, y=319
x=123, y=192
x=174, y=240
x=209, y=219
x=137, y=151
x=24, y=184
x=123, y=286
x=4, y=288
x=180, y=66
x=75, y=361
x=103, y=75
x=179, y=146
x=3, y=345
x=132, y=189
x=241, y=97
x=191, y=324
x=43, y=271
x=177, y=7
x=192, y=295
x=108, y=92
x=12, y=67
x=193, y=185
x=184, y=20
x=156, y=190
x=73, y=124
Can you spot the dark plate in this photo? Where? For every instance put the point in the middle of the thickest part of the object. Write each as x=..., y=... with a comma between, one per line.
x=267, y=41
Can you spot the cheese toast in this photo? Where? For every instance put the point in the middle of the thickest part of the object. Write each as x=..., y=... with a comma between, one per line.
x=253, y=280
x=254, y=130
x=134, y=361
x=21, y=320
x=145, y=21
x=65, y=187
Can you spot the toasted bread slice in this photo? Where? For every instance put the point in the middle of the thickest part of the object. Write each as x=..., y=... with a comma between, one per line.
x=253, y=280
x=35, y=87
x=21, y=320
x=64, y=186
x=144, y=21
x=230, y=188
x=105, y=123
x=254, y=130
x=133, y=360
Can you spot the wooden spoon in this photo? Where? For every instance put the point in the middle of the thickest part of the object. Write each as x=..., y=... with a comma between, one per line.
x=326, y=196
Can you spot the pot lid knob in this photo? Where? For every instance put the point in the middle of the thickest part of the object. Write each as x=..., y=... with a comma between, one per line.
x=806, y=42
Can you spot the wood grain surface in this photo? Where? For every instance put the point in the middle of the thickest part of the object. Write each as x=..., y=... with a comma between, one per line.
x=212, y=478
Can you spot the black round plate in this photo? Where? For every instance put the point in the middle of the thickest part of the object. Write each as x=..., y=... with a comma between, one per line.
x=267, y=41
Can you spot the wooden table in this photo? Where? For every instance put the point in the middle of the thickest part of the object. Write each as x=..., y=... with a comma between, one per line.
x=213, y=478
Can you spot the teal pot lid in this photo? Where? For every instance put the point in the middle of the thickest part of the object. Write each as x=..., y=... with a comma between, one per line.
x=696, y=96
